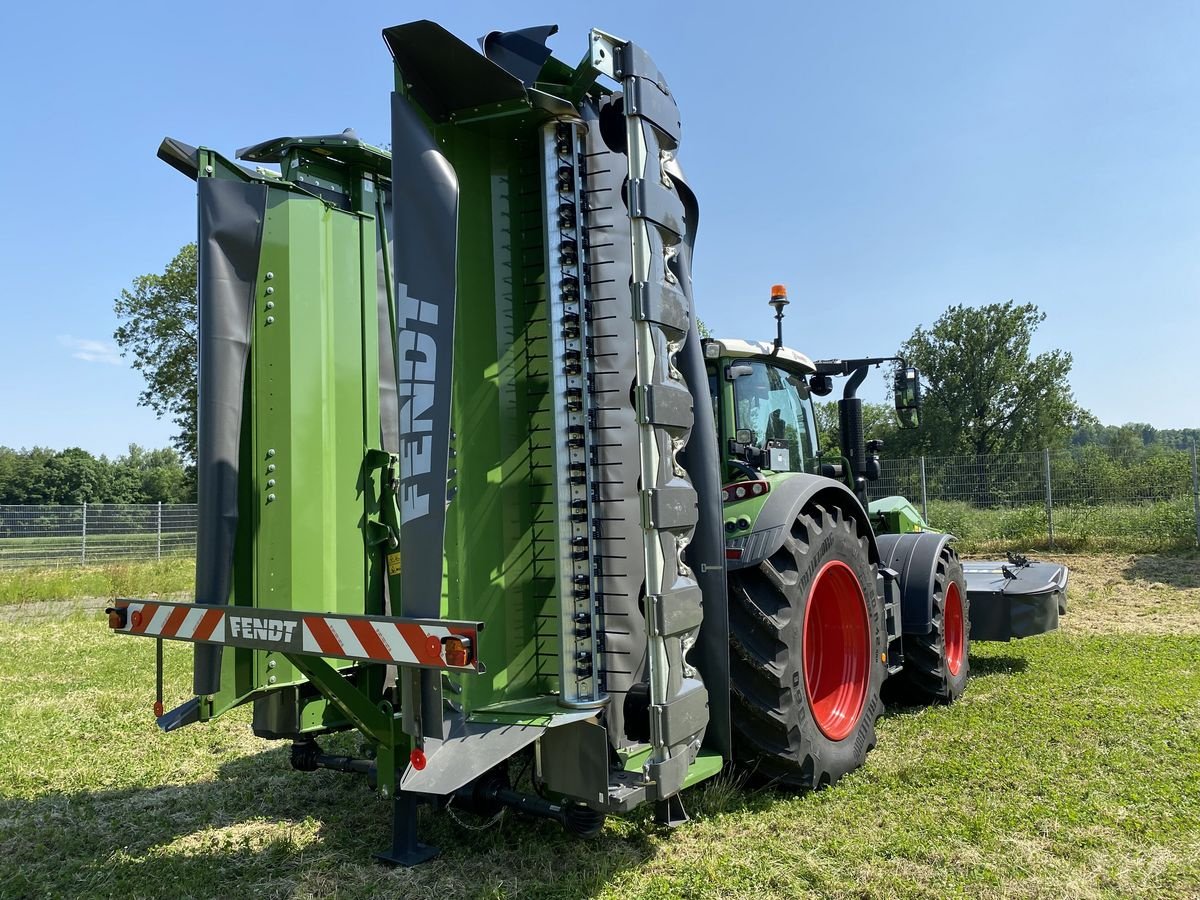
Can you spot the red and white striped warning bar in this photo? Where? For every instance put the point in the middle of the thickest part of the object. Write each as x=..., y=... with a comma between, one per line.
x=425, y=643
x=400, y=642
x=180, y=621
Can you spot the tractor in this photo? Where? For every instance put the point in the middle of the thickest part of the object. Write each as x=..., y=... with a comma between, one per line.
x=814, y=576
x=472, y=485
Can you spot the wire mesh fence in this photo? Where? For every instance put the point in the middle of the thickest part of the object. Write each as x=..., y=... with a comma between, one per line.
x=1088, y=498
x=1085, y=498
x=94, y=533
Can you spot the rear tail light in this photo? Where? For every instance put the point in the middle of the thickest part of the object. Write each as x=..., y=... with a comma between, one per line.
x=457, y=651
x=742, y=490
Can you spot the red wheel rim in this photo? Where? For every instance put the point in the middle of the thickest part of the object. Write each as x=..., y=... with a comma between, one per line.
x=836, y=650
x=952, y=618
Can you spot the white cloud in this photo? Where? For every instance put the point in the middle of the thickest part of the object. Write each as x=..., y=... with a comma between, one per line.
x=91, y=351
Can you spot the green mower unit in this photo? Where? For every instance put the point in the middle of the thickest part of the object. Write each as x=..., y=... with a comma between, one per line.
x=472, y=485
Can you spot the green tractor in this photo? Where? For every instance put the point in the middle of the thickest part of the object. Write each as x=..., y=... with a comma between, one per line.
x=472, y=485
x=829, y=595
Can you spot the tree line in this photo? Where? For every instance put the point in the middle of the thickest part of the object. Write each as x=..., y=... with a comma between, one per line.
x=1131, y=442
x=986, y=392
x=74, y=476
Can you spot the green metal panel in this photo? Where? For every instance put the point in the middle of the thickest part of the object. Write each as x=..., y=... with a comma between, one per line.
x=706, y=765
x=897, y=515
x=313, y=378
x=317, y=409
x=500, y=527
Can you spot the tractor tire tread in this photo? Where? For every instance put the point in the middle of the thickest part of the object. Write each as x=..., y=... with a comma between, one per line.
x=772, y=724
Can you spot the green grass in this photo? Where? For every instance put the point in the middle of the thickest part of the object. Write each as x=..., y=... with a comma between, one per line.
x=69, y=549
x=1128, y=528
x=131, y=579
x=1068, y=769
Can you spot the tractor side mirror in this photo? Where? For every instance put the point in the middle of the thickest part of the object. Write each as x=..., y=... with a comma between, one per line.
x=820, y=385
x=907, y=389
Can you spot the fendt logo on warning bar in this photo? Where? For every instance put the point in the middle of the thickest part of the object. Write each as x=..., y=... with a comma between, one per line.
x=256, y=629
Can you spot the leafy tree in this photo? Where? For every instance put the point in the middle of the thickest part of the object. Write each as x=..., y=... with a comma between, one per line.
x=158, y=330
x=1133, y=435
x=24, y=476
x=74, y=476
x=879, y=422
x=985, y=391
x=150, y=476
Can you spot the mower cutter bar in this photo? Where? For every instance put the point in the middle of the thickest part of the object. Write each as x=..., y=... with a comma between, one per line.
x=419, y=643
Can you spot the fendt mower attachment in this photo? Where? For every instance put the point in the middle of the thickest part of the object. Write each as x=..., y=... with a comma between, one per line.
x=444, y=397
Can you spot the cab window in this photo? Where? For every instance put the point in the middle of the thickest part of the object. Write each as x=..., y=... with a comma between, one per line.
x=774, y=406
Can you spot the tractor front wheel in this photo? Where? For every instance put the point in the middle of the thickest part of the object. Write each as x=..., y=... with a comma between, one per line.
x=936, y=664
x=808, y=649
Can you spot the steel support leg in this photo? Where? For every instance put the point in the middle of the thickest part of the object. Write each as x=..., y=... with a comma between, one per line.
x=670, y=812
x=406, y=850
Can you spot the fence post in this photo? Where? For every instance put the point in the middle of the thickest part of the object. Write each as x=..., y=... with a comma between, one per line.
x=1049, y=499
x=924, y=498
x=158, y=543
x=83, y=537
x=1196, y=492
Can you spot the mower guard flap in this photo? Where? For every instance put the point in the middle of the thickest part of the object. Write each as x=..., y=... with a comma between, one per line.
x=471, y=749
x=1014, y=601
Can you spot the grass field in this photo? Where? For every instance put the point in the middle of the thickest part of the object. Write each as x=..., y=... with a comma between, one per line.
x=172, y=575
x=1148, y=527
x=100, y=547
x=1071, y=768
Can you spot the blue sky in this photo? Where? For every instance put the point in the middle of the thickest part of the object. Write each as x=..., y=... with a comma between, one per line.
x=884, y=160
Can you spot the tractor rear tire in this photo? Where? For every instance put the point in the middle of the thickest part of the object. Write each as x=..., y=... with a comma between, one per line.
x=936, y=665
x=808, y=644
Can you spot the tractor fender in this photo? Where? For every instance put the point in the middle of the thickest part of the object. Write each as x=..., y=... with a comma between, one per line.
x=787, y=498
x=914, y=558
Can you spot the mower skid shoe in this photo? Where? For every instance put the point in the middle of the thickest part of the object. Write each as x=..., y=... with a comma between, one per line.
x=406, y=850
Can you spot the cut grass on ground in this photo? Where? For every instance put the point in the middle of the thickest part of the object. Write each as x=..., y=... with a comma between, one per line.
x=173, y=575
x=1068, y=769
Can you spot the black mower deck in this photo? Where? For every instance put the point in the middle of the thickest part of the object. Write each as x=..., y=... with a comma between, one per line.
x=1014, y=599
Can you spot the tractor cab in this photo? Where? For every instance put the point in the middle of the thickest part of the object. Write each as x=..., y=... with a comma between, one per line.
x=766, y=428
x=763, y=408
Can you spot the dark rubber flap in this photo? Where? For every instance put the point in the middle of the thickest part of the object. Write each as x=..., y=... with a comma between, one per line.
x=574, y=760
x=646, y=100
x=678, y=611
x=661, y=304
x=683, y=716
x=669, y=405
x=673, y=507
x=662, y=206
x=231, y=222
x=444, y=74
x=425, y=246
